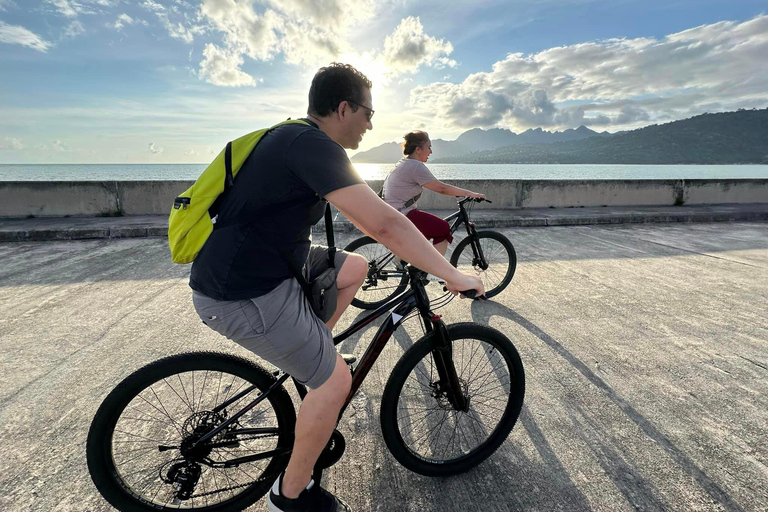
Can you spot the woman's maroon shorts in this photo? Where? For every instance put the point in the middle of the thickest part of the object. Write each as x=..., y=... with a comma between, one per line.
x=432, y=227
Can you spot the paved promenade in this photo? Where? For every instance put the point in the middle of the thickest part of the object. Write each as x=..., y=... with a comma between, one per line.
x=645, y=348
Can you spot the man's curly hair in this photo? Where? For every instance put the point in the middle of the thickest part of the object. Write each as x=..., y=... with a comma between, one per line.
x=334, y=84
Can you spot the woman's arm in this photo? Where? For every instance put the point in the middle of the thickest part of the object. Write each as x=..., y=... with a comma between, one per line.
x=449, y=190
x=365, y=209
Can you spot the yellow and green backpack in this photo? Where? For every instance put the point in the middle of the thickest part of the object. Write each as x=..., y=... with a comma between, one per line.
x=191, y=220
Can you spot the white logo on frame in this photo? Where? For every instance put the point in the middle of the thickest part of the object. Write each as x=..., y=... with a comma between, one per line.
x=396, y=318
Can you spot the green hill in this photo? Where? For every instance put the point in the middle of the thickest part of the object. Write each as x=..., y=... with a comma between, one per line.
x=726, y=138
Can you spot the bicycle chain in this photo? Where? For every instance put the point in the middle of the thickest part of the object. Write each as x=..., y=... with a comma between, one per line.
x=257, y=481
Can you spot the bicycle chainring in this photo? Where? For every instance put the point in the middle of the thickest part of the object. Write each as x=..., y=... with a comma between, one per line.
x=332, y=452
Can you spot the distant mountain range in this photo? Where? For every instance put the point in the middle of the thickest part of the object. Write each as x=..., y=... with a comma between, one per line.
x=477, y=140
x=726, y=138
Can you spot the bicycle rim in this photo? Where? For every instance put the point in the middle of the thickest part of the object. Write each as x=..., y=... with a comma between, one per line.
x=500, y=263
x=386, y=282
x=430, y=428
x=172, y=412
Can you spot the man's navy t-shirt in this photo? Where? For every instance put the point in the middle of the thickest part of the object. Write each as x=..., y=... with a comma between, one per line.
x=266, y=217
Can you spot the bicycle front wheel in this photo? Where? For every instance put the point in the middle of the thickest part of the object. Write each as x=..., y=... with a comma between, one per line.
x=141, y=448
x=497, y=265
x=421, y=427
x=386, y=275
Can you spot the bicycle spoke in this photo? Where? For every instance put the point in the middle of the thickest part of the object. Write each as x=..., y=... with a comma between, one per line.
x=180, y=407
x=429, y=425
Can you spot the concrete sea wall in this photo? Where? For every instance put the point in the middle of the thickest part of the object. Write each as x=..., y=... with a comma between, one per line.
x=105, y=198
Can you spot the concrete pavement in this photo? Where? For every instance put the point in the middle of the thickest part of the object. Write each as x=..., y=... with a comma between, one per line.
x=644, y=348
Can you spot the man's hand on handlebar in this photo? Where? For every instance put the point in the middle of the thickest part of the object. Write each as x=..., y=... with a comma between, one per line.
x=466, y=285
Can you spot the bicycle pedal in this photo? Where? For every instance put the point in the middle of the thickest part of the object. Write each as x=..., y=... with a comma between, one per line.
x=349, y=358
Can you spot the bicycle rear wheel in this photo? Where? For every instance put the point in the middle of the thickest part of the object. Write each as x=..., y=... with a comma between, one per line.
x=421, y=428
x=139, y=445
x=386, y=276
x=496, y=268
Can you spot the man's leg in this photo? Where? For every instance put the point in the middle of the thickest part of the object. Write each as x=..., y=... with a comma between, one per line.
x=317, y=418
x=350, y=276
x=442, y=247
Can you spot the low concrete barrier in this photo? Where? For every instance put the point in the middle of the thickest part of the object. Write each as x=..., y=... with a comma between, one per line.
x=107, y=198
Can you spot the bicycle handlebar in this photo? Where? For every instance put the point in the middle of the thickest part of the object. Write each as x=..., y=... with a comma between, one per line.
x=476, y=199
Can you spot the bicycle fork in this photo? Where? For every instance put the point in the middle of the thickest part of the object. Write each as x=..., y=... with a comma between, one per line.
x=477, y=249
x=450, y=384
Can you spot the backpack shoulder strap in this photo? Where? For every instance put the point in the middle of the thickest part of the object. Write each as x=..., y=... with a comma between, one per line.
x=329, y=236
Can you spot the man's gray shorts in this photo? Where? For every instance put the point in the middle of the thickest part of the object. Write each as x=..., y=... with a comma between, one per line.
x=280, y=327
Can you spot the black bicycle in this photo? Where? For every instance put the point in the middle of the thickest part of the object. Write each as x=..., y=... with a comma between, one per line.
x=487, y=254
x=211, y=432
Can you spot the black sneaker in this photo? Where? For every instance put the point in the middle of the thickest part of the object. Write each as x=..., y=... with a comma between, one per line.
x=312, y=499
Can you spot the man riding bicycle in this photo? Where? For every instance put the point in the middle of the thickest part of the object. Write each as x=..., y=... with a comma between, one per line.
x=243, y=278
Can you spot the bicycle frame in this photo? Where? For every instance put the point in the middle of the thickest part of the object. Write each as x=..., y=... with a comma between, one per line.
x=401, y=306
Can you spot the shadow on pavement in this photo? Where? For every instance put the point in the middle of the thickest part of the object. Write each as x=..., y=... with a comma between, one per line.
x=635, y=489
x=146, y=259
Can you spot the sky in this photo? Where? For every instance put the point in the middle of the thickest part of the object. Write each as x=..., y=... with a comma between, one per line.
x=171, y=81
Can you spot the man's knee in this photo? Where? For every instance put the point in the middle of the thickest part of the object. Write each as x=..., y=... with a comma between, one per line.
x=340, y=381
x=358, y=267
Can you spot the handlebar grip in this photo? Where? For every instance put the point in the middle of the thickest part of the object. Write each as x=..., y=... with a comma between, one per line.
x=472, y=294
x=480, y=200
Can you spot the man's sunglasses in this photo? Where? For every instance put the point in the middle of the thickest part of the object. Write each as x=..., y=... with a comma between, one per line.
x=368, y=111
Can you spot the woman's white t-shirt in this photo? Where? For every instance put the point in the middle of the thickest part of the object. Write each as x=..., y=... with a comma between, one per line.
x=406, y=182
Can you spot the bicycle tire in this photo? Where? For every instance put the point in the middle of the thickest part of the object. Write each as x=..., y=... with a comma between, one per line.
x=498, y=275
x=371, y=295
x=401, y=431
x=106, y=442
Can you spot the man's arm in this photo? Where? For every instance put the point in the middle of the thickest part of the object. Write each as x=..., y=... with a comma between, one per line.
x=356, y=224
x=382, y=222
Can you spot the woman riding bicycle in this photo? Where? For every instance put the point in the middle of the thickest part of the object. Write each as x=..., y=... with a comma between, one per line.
x=404, y=186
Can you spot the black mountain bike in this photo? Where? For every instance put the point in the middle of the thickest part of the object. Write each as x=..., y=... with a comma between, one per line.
x=487, y=254
x=211, y=432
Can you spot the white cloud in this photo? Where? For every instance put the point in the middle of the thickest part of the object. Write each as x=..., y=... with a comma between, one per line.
x=58, y=146
x=67, y=8
x=3, y=3
x=621, y=81
x=73, y=30
x=191, y=152
x=152, y=6
x=304, y=31
x=336, y=13
x=11, y=143
x=222, y=67
x=14, y=34
x=302, y=43
x=154, y=150
x=123, y=20
x=245, y=31
x=408, y=47
x=175, y=28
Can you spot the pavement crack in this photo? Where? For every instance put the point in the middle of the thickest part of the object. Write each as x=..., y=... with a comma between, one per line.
x=8, y=399
x=699, y=253
x=764, y=367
